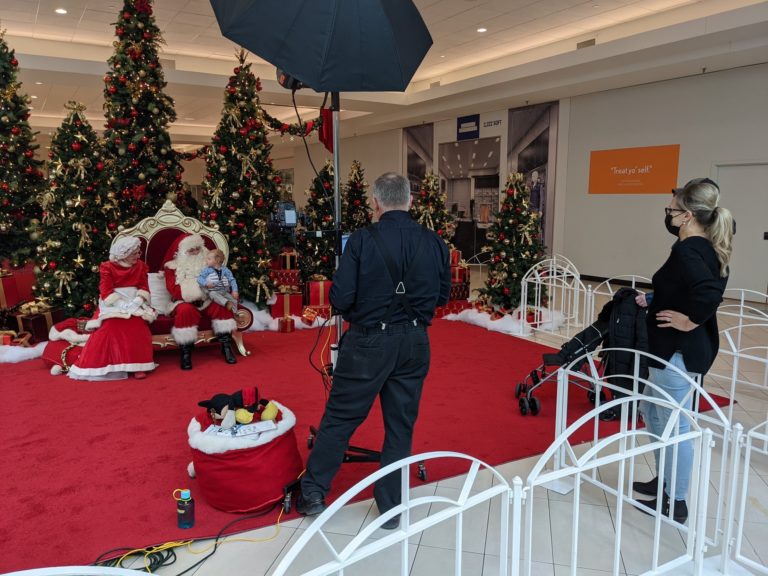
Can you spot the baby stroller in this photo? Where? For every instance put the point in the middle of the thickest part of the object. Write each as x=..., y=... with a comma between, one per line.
x=620, y=323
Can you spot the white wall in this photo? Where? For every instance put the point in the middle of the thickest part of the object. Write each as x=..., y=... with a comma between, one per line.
x=716, y=118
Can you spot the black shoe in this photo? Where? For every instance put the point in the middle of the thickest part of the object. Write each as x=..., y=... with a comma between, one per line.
x=649, y=488
x=680, y=514
x=226, y=348
x=392, y=523
x=609, y=415
x=311, y=505
x=186, y=356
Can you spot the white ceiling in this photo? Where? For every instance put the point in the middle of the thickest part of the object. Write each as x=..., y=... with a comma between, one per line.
x=528, y=54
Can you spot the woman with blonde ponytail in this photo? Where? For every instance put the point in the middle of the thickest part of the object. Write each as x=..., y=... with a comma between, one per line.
x=682, y=321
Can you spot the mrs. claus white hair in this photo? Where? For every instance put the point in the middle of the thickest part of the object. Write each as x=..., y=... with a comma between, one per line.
x=122, y=247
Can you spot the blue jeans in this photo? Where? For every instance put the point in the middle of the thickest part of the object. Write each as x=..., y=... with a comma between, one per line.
x=656, y=418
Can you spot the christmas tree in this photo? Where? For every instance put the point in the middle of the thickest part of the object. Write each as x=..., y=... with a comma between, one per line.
x=356, y=213
x=146, y=170
x=317, y=243
x=428, y=208
x=516, y=246
x=79, y=217
x=21, y=179
x=240, y=186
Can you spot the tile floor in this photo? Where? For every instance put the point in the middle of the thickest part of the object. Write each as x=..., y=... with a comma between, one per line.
x=432, y=552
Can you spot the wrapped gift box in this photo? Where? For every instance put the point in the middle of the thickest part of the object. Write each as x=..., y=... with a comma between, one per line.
x=532, y=317
x=286, y=277
x=286, y=325
x=317, y=292
x=459, y=274
x=289, y=260
x=455, y=256
x=459, y=291
x=287, y=304
x=25, y=278
x=9, y=293
x=39, y=324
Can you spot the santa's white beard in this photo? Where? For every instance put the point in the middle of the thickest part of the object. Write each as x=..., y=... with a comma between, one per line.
x=188, y=268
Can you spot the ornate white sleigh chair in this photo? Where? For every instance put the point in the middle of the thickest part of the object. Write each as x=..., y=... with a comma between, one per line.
x=156, y=234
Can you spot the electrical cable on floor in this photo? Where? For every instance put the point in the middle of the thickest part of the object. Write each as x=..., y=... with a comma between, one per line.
x=164, y=555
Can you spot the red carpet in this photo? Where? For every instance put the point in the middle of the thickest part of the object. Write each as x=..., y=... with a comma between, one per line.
x=90, y=466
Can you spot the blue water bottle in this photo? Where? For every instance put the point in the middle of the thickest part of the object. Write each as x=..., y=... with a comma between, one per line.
x=185, y=508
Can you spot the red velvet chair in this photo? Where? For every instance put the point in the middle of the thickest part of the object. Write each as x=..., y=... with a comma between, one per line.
x=157, y=233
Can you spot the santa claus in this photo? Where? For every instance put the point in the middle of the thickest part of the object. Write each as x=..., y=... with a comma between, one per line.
x=189, y=302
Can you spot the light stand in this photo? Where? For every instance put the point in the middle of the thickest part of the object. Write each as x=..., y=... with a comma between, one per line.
x=336, y=110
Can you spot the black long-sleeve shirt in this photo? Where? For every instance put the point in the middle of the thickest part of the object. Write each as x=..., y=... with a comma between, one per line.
x=689, y=282
x=362, y=288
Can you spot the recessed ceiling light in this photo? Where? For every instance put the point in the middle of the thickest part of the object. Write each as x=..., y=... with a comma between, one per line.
x=39, y=83
x=60, y=11
x=33, y=97
x=442, y=55
x=188, y=118
x=481, y=30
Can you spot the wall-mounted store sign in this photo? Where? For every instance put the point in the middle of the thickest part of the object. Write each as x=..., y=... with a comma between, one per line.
x=645, y=170
x=468, y=127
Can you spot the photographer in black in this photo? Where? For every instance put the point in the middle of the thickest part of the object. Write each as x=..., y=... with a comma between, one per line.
x=391, y=277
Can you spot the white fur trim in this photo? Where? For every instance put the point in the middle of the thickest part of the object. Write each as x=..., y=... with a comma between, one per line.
x=68, y=335
x=210, y=444
x=56, y=370
x=110, y=372
x=112, y=298
x=184, y=335
x=224, y=326
x=144, y=294
x=191, y=470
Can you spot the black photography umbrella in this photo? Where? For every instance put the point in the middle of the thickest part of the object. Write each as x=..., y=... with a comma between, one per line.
x=332, y=46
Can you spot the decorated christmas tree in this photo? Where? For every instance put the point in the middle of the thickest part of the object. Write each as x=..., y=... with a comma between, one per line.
x=146, y=170
x=515, y=246
x=356, y=213
x=21, y=179
x=428, y=208
x=79, y=217
x=240, y=185
x=316, y=242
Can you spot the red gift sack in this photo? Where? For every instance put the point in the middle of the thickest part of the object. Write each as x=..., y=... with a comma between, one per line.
x=243, y=474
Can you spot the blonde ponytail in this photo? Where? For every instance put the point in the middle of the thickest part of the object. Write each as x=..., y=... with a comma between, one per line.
x=700, y=197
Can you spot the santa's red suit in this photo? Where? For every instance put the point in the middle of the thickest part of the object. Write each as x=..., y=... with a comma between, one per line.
x=185, y=259
x=122, y=343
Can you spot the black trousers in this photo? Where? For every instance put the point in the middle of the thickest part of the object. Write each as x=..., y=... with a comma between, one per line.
x=390, y=364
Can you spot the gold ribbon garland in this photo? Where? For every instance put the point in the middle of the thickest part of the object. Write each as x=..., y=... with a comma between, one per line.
x=37, y=306
x=262, y=283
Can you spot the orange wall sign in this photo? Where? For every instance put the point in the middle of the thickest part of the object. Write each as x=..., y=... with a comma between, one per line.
x=646, y=170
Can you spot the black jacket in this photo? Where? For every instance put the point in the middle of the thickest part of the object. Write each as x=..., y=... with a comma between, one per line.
x=626, y=329
x=689, y=282
x=362, y=288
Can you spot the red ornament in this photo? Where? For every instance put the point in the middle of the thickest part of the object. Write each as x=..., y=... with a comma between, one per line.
x=131, y=147
x=28, y=153
x=126, y=15
x=111, y=225
x=15, y=130
x=356, y=202
x=222, y=149
x=87, y=306
x=76, y=146
x=439, y=232
x=122, y=79
x=241, y=225
x=243, y=259
x=144, y=139
x=243, y=131
x=89, y=188
x=112, y=89
x=134, y=163
x=214, y=215
x=50, y=154
x=52, y=265
x=259, y=202
x=236, y=70
x=233, y=232
x=29, y=170
x=231, y=89
x=119, y=31
x=147, y=35
x=99, y=166
x=14, y=62
x=506, y=291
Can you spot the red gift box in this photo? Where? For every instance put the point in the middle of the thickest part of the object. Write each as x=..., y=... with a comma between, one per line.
x=287, y=304
x=459, y=274
x=459, y=291
x=532, y=317
x=317, y=292
x=289, y=260
x=455, y=256
x=286, y=325
x=39, y=324
x=9, y=293
x=25, y=279
x=286, y=277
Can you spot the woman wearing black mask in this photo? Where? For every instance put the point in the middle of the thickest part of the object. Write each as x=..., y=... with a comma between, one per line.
x=682, y=321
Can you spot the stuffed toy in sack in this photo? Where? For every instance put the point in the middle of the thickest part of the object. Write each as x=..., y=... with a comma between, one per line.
x=65, y=342
x=226, y=410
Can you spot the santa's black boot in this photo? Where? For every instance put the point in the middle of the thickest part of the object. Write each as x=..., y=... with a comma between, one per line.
x=226, y=348
x=186, y=356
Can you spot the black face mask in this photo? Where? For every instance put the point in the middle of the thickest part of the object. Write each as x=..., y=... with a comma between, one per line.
x=674, y=230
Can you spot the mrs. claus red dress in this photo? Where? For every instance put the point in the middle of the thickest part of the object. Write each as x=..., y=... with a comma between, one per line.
x=121, y=344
